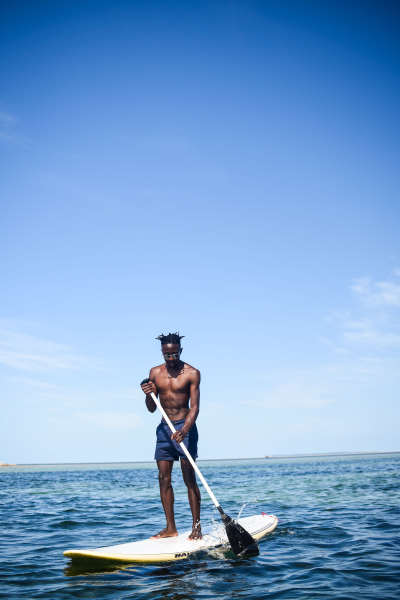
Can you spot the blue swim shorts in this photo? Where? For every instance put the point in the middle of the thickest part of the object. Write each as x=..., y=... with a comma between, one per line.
x=167, y=449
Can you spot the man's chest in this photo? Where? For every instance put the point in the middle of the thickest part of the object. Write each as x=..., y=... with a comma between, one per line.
x=178, y=384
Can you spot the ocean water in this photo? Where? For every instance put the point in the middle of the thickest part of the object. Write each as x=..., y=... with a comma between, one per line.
x=338, y=534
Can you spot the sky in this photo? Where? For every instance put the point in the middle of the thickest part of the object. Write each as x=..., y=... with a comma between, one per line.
x=228, y=170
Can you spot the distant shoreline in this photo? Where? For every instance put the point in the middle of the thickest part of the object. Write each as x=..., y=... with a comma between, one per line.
x=267, y=457
x=316, y=454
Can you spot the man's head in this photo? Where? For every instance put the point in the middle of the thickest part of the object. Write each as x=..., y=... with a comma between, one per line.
x=171, y=347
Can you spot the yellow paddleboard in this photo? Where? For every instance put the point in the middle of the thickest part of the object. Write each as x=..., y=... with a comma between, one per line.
x=155, y=550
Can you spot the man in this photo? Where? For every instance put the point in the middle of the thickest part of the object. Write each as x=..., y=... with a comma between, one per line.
x=178, y=386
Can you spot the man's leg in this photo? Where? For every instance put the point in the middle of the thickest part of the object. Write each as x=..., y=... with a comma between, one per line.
x=189, y=478
x=167, y=497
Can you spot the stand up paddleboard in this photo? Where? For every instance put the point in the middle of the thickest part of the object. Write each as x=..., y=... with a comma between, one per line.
x=155, y=550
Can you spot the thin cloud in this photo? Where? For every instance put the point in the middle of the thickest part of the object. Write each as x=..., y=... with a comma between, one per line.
x=29, y=353
x=7, y=120
x=300, y=393
x=9, y=132
x=34, y=383
x=377, y=293
x=373, y=323
x=365, y=342
x=367, y=332
x=300, y=390
x=110, y=420
x=312, y=390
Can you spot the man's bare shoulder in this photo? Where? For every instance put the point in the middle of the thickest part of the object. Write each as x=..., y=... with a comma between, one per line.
x=190, y=367
x=192, y=371
x=157, y=370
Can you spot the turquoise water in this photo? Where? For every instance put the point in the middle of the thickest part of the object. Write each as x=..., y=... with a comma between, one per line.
x=338, y=535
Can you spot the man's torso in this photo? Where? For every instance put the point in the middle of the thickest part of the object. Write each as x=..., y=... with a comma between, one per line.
x=174, y=389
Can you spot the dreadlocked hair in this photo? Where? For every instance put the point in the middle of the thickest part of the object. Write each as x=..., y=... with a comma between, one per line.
x=171, y=338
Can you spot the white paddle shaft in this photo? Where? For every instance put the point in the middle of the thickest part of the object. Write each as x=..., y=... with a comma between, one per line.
x=186, y=451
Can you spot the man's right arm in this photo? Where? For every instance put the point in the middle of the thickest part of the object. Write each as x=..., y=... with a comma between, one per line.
x=147, y=389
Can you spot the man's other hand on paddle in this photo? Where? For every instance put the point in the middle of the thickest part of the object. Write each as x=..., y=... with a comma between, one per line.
x=148, y=388
x=179, y=436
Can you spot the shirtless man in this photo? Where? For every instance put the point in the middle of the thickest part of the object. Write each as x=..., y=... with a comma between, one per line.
x=177, y=385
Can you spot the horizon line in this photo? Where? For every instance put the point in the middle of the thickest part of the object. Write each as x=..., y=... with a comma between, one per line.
x=266, y=457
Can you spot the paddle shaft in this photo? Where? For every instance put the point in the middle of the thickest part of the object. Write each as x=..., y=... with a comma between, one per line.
x=187, y=453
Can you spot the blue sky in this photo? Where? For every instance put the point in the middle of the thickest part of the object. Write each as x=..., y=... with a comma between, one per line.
x=225, y=169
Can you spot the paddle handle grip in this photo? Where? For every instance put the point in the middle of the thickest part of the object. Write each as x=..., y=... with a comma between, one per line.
x=186, y=451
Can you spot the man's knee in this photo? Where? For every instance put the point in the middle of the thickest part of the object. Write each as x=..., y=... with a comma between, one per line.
x=189, y=478
x=164, y=480
x=191, y=484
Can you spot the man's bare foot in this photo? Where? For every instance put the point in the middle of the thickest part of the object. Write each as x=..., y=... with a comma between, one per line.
x=165, y=533
x=196, y=532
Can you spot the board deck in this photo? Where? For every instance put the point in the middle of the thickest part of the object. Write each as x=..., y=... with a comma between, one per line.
x=174, y=548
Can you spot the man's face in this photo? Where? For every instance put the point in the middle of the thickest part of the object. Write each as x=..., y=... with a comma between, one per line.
x=171, y=353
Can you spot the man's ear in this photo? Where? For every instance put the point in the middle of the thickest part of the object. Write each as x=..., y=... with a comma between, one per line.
x=180, y=350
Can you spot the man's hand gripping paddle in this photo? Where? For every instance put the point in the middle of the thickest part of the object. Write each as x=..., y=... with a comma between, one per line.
x=242, y=543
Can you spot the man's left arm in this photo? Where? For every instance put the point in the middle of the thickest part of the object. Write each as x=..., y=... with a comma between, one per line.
x=193, y=410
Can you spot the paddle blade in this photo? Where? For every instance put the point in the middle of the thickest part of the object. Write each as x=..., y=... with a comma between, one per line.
x=242, y=543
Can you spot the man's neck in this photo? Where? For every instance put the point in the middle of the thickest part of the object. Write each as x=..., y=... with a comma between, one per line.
x=176, y=368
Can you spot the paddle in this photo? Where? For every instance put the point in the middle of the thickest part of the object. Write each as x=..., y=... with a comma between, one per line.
x=242, y=543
